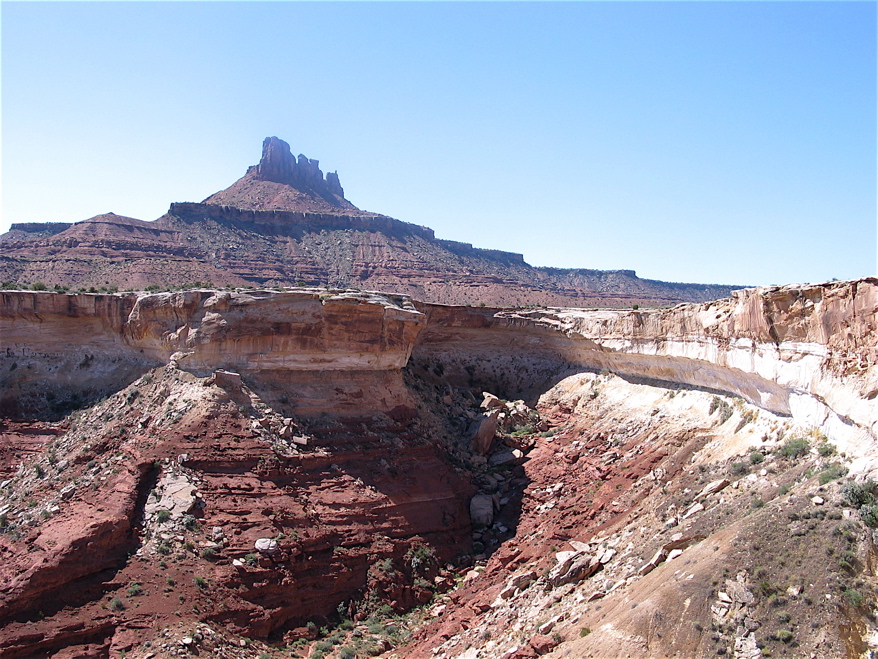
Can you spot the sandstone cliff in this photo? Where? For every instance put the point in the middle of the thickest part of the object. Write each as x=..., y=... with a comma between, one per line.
x=336, y=425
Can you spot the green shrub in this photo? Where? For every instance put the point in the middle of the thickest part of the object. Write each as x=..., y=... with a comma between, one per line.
x=190, y=522
x=869, y=515
x=116, y=604
x=794, y=448
x=585, y=631
x=785, y=636
x=163, y=516
x=208, y=552
x=832, y=472
x=756, y=457
x=825, y=449
x=738, y=468
x=38, y=286
x=854, y=597
x=201, y=582
x=856, y=494
x=134, y=589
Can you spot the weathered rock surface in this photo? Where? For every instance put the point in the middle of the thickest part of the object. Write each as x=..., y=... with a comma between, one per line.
x=640, y=468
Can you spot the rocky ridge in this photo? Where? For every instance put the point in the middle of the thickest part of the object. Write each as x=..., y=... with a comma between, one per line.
x=282, y=224
x=576, y=483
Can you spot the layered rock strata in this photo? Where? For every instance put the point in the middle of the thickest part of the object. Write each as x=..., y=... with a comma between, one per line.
x=283, y=223
x=276, y=445
x=805, y=351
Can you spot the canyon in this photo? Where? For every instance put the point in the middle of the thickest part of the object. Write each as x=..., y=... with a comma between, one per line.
x=329, y=472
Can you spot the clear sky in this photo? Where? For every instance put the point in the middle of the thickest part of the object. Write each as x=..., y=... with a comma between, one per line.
x=723, y=142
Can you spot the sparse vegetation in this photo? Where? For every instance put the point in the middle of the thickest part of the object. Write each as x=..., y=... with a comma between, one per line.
x=794, y=447
x=832, y=472
x=163, y=516
x=116, y=604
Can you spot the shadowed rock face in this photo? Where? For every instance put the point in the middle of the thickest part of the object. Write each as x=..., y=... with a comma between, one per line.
x=279, y=165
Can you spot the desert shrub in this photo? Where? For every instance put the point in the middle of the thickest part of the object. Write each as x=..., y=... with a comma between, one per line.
x=825, y=449
x=134, y=589
x=38, y=286
x=738, y=468
x=116, y=604
x=756, y=458
x=746, y=417
x=856, y=494
x=869, y=515
x=208, y=552
x=832, y=472
x=386, y=566
x=794, y=448
x=190, y=522
x=585, y=631
x=420, y=555
x=201, y=582
x=163, y=549
x=784, y=636
x=252, y=560
x=854, y=597
x=163, y=516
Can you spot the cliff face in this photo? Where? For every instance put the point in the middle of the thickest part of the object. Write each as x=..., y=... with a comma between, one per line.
x=809, y=352
x=60, y=350
x=336, y=425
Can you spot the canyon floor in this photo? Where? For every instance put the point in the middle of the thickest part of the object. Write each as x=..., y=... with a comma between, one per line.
x=372, y=477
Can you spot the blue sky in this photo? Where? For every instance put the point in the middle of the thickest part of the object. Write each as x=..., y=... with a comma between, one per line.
x=726, y=142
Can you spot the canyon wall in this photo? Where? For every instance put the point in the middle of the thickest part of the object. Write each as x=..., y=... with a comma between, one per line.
x=61, y=350
x=805, y=351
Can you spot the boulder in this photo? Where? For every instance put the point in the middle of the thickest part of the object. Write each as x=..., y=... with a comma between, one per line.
x=543, y=644
x=712, y=488
x=491, y=402
x=572, y=567
x=481, y=510
x=484, y=438
x=266, y=546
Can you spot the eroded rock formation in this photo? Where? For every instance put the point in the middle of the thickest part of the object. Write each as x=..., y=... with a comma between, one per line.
x=284, y=223
x=247, y=463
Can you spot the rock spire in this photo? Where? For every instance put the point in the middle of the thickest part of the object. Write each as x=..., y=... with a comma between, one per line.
x=279, y=165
